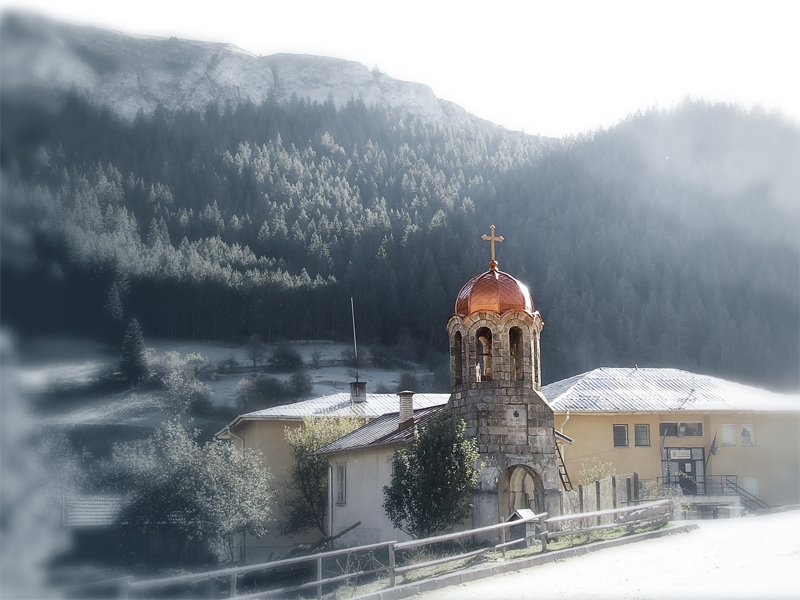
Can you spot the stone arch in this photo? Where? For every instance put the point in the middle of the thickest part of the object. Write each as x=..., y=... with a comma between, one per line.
x=516, y=353
x=483, y=354
x=458, y=358
x=459, y=354
x=519, y=486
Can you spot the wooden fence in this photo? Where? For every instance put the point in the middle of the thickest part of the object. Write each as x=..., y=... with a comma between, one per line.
x=546, y=529
x=631, y=518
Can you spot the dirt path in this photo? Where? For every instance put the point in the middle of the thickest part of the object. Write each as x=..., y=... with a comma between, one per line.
x=754, y=557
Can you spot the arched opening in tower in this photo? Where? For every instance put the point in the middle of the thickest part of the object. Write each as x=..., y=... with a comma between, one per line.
x=483, y=368
x=517, y=353
x=458, y=359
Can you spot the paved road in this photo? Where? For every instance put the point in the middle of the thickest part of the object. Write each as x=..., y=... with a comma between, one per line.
x=754, y=557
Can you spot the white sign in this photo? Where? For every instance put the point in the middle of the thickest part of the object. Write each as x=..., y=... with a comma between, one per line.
x=680, y=453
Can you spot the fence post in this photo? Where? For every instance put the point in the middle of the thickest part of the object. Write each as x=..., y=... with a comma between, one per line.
x=234, y=577
x=628, y=491
x=636, y=487
x=503, y=541
x=580, y=498
x=391, y=565
x=541, y=528
x=319, y=577
x=598, y=501
x=613, y=491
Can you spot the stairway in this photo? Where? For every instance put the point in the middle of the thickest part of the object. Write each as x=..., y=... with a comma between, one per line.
x=748, y=500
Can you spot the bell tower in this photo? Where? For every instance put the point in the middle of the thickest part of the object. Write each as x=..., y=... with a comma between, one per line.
x=496, y=382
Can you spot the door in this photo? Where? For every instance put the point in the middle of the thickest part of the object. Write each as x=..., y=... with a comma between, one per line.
x=687, y=478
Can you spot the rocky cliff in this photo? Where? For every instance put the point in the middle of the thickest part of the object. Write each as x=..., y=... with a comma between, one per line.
x=44, y=59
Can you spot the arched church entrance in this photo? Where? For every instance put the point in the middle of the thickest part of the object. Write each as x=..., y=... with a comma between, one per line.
x=518, y=487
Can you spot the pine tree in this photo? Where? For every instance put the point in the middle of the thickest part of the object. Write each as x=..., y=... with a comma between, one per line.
x=133, y=358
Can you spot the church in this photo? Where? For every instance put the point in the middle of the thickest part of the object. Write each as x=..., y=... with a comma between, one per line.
x=495, y=372
x=719, y=443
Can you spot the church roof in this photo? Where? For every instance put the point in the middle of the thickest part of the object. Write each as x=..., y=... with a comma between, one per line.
x=620, y=390
x=339, y=405
x=383, y=431
x=493, y=291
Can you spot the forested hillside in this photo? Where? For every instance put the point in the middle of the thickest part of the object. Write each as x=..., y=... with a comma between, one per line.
x=669, y=240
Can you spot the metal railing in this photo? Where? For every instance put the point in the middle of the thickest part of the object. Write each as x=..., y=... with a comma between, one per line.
x=133, y=587
x=546, y=529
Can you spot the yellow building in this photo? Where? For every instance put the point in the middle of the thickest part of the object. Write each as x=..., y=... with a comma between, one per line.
x=700, y=435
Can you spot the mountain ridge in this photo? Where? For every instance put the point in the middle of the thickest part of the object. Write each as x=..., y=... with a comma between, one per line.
x=128, y=73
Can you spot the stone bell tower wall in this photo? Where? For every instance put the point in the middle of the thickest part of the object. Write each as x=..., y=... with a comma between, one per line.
x=505, y=412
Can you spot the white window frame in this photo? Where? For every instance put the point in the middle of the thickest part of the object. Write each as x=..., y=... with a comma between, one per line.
x=636, y=427
x=728, y=437
x=614, y=435
x=678, y=428
x=751, y=430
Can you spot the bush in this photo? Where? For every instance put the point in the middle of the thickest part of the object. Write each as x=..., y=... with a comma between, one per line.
x=228, y=365
x=433, y=480
x=407, y=382
x=201, y=491
x=179, y=377
x=286, y=357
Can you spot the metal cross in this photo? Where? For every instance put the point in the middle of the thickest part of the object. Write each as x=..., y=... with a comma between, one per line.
x=492, y=238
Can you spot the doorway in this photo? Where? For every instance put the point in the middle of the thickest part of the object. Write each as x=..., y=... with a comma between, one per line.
x=685, y=467
x=519, y=487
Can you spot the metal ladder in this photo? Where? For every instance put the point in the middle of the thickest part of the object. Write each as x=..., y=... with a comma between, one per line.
x=562, y=471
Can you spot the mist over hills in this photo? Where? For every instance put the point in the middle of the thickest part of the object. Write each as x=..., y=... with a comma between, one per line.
x=211, y=193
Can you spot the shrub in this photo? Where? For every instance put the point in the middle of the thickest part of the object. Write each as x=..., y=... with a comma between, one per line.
x=286, y=357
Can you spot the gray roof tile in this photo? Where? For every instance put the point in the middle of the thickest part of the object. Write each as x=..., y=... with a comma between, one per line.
x=610, y=390
x=383, y=431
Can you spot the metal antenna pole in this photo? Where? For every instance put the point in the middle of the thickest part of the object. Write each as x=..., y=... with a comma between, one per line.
x=355, y=345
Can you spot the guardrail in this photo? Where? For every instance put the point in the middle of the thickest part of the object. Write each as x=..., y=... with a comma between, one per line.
x=233, y=573
x=547, y=529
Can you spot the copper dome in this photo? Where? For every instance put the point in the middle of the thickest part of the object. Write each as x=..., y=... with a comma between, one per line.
x=493, y=291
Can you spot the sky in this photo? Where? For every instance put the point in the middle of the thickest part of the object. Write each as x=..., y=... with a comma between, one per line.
x=550, y=68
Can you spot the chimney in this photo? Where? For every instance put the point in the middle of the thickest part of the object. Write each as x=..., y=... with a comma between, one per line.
x=358, y=391
x=406, y=406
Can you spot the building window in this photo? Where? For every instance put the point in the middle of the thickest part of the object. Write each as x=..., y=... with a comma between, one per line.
x=668, y=429
x=483, y=347
x=620, y=435
x=341, y=484
x=681, y=429
x=748, y=435
x=642, y=435
x=517, y=351
x=728, y=435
